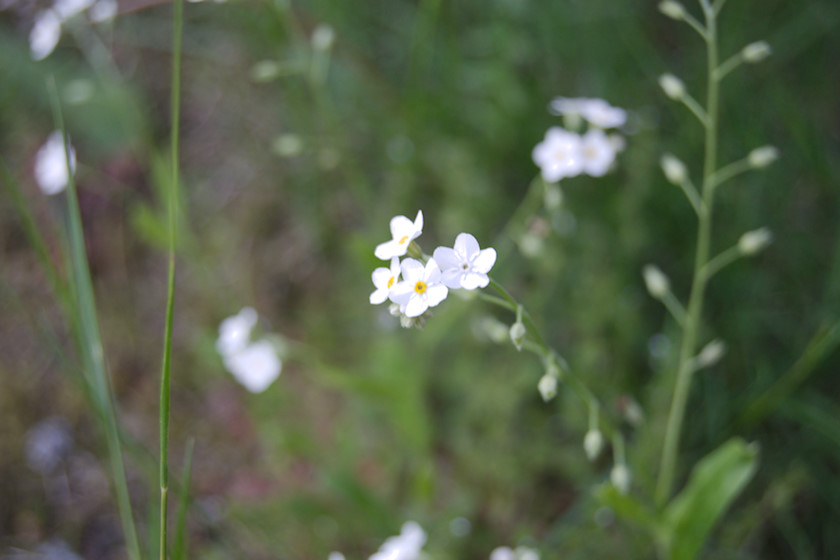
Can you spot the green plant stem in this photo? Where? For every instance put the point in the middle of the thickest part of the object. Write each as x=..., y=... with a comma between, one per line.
x=729, y=65
x=165, y=376
x=692, y=104
x=720, y=261
x=688, y=345
x=90, y=342
x=693, y=196
x=732, y=170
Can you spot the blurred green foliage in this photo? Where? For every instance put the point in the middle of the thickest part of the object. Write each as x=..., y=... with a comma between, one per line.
x=430, y=105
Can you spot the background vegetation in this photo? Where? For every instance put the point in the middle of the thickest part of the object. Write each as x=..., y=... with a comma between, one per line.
x=419, y=105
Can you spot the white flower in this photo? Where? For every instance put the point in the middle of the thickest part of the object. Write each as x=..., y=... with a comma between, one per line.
x=558, y=155
x=710, y=354
x=763, y=156
x=51, y=165
x=336, y=556
x=384, y=279
x=596, y=111
x=672, y=86
x=656, y=282
x=593, y=442
x=405, y=546
x=673, y=169
x=44, y=35
x=620, y=478
x=547, y=386
x=502, y=553
x=756, y=52
x=65, y=9
x=403, y=232
x=256, y=366
x=672, y=9
x=420, y=289
x=754, y=241
x=103, y=10
x=466, y=265
x=235, y=332
x=597, y=152
x=323, y=37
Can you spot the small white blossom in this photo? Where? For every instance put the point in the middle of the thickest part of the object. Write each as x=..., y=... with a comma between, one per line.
x=672, y=86
x=673, y=169
x=559, y=155
x=323, y=37
x=403, y=232
x=420, y=289
x=593, y=442
x=597, y=153
x=384, y=279
x=756, y=52
x=65, y=9
x=407, y=545
x=672, y=9
x=335, y=556
x=763, y=156
x=754, y=241
x=620, y=478
x=502, y=553
x=256, y=366
x=517, y=334
x=596, y=111
x=547, y=386
x=465, y=265
x=235, y=332
x=710, y=354
x=51, y=165
x=44, y=35
x=103, y=10
x=656, y=282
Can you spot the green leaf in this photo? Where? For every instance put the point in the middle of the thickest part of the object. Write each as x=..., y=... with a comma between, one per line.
x=627, y=507
x=714, y=483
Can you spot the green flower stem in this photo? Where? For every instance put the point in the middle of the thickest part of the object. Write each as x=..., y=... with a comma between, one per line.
x=692, y=21
x=729, y=171
x=729, y=65
x=695, y=108
x=698, y=288
x=693, y=196
x=674, y=307
x=722, y=260
x=538, y=346
x=165, y=376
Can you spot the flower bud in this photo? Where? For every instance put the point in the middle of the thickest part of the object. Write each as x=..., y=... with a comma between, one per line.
x=593, y=442
x=673, y=169
x=754, y=241
x=763, y=156
x=394, y=310
x=710, y=354
x=657, y=283
x=672, y=86
x=287, y=145
x=406, y=322
x=548, y=386
x=323, y=37
x=620, y=478
x=756, y=52
x=673, y=10
x=517, y=334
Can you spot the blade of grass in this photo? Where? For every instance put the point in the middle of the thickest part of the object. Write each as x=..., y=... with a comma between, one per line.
x=165, y=377
x=91, y=341
x=179, y=551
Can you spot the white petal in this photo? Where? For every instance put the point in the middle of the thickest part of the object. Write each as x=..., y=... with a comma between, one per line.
x=395, y=267
x=431, y=274
x=452, y=278
x=388, y=250
x=44, y=35
x=381, y=276
x=447, y=258
x=401, y=226
x=484, y=261
x=401, y=292
x=416, y=306
x=256, y=367
x=378, y=296
x=466, y=245
x=412, y=270
x=473, y=280
x=103, y=10
x=436, y=294
x=418, y=222
x=51, y=164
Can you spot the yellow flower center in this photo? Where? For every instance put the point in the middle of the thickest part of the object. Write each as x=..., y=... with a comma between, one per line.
x=420, y=287
x=402, y=240
x=391, y=281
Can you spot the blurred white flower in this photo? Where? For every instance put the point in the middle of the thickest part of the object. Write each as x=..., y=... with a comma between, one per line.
x=559, y=155
x=673, y=168
x=597, y=153
x=710, y=354
x=656, y=282
x=672, y=86
x=47, y=443
x=103, y=10
x=547, y=387
x=256, y=366
x=763, y=156
x=502, y=553
x=756, y=52
x=51, y=165
x=384, y=279
x=420, y=289
x=620, y=478
x=403, y=232
x=596, y=111
x=405, y=546
x=466, y=265
x=323, y=37
x=335, y=556
x=593, y=442
x=517, y=334
x=754, y=241
x=235, y=332
x=65, y=9
x=525, y=553
x=44, y=35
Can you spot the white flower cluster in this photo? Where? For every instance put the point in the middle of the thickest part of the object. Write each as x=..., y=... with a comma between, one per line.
x=46, y=32
x=564, y=153
x=413, y=286
x=519, y=553
x=253, y=364
x=408, y=545
x=51, y=172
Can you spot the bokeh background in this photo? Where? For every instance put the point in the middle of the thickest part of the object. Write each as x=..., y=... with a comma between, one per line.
x=294, y=160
